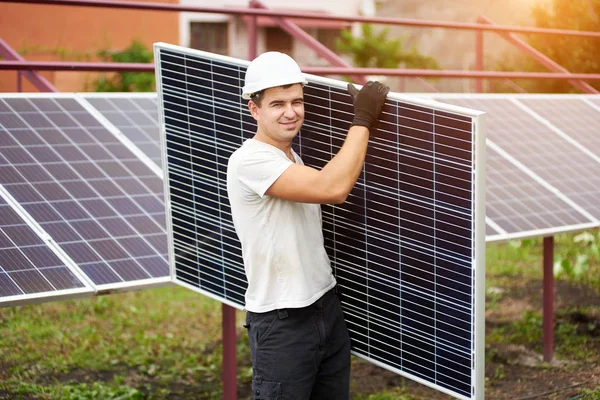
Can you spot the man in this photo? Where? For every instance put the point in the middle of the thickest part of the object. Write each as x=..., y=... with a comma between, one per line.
x=299, y=342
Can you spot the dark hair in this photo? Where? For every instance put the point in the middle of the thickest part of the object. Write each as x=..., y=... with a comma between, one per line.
x=257, y=97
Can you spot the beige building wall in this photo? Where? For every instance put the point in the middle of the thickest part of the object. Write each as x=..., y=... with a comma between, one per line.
x=452, y=48
x=237, y=31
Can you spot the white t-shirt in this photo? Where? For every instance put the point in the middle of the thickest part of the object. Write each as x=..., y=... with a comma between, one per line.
x=282, y=241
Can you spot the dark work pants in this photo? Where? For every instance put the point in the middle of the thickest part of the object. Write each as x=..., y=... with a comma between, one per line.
x=300, y=353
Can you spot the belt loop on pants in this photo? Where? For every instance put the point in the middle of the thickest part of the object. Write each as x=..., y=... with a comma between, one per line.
x=281, y=314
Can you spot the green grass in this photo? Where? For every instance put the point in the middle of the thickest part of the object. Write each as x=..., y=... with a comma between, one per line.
x=590, y=394
x=157, y=338
x=166, y=343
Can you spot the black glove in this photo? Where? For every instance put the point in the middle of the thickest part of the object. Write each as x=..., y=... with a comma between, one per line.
x=368, y=103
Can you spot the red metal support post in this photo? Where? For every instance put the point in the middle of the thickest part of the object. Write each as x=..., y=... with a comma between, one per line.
x=229, y=353
x=252, y=34
x=34, y=77
x=479, y=59
x=548, y=324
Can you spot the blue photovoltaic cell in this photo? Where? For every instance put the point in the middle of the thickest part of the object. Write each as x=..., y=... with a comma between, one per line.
x=136, y=118
x=93, y=196
x=401, y=246
x=27, y=265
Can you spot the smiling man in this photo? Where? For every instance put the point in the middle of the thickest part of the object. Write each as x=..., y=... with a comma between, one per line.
x=299, y=342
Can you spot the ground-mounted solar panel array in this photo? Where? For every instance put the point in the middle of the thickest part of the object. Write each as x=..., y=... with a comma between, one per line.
x=543, y=174
x=92, y=212
x=406, y=247
x=73, y=224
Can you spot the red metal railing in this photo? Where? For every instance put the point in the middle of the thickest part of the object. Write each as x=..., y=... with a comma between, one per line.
x=258, y=9
x=427, y=73
x=307, y=15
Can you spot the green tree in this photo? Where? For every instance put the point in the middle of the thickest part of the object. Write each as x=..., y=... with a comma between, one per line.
x=576, y=54
x=126, y=81
x=375, y=50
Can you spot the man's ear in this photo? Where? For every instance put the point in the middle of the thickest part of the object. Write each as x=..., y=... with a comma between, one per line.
x=253, y=110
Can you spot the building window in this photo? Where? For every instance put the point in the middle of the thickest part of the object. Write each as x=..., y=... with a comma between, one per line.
x=278, y=40
x=209, y=36
x=327, y=37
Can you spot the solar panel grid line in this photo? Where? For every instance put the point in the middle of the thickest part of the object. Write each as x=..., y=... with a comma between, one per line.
x=236, y=281
x=236, y=104
x=121, y=137
x=179, y=79
x=591, y=104
x=113, y=180
x=185, y=248
x=223, y=186
x=136, y=117
x=575, y=180
x=510, y=192
x=554, y=129
x=90, y=187
x=167, y=192
x=84, y=286
x=447, y=361
x=430, y=251
x=424, y=294
x=524, y=212
x=528, y=211
x=81, y=239
x=350, y=263
x=221, y=182
x=203, y=126
x=393, y=322
x=494, y=226
x=496, y=237
x=574, y=118
x=130, y=146
x=224, y=164
x=541, y=181
x=427, y=219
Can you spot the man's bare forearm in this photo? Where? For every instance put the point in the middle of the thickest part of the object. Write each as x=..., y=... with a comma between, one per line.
x=341, y=173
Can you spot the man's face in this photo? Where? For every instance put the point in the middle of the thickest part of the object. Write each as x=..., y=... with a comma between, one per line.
x=280, y=114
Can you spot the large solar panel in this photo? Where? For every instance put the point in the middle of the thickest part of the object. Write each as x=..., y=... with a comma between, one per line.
x=554, y=177
x=88, y=191
x=31, y=267
x=408, y=245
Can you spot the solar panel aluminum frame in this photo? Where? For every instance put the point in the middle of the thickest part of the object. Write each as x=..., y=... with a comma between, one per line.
x=478, y=221
x=501, y=235
x=98, y=289
x=24, y=299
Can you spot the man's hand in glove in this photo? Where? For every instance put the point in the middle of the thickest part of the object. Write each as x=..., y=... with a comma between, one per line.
x=368, y=103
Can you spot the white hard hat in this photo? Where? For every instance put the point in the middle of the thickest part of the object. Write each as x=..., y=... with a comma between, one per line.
x=271, y=69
